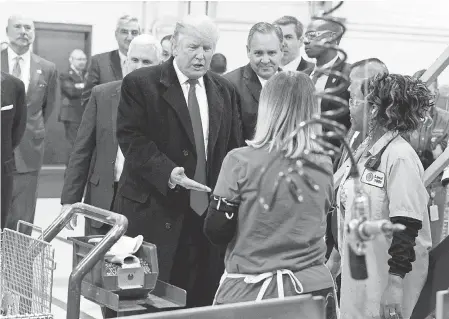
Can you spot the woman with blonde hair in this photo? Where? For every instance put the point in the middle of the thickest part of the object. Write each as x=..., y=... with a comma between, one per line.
x=282, y=235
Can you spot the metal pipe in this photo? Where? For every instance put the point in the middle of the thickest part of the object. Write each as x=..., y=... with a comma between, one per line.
x=120, y=225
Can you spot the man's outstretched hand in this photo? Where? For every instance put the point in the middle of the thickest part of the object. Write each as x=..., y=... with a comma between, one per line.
x=178, y=177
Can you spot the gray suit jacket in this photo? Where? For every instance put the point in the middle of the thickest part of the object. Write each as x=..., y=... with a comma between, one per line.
x=96, y=134
x=104, y=68
x=248, y=87
x=40, y=99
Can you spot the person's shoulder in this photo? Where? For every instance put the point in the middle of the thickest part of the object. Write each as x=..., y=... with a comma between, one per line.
x=44, y=63
x=103, y=55
x=11, y=80
x=107, y=87
x=443, y=114
x=400, y=149
x=234, y=75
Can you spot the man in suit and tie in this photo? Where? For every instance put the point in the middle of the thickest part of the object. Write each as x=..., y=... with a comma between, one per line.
x=40, y=79
x=107, y=67
x=264, y=50
x=292, y=29
x=72, y=86
x=97, y=133
x=175, y=124
x=14, y=119
x=318, y=31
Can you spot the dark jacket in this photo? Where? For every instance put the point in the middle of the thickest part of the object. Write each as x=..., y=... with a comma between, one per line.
x=155, y=133
x=71, y=108
x=104, y=68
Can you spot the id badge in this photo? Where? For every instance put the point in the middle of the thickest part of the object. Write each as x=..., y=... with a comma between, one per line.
x=373, y=178
x=433, y=212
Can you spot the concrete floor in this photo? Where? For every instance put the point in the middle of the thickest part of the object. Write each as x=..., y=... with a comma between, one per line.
x=48, y=208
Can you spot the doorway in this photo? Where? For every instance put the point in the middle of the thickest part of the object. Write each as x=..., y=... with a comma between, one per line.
x=54, y=42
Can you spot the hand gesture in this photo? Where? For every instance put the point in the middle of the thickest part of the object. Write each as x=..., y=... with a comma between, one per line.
x=391, y=302
x=179, y=177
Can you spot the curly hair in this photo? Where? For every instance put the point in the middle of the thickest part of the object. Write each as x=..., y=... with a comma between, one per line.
x=402, y=101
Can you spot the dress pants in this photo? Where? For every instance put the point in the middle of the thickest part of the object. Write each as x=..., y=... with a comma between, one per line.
x=71, y=130
x=198, y=265
x=23, y=204
x=7, y=182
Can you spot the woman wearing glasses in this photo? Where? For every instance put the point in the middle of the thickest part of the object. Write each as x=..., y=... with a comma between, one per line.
x=387, y=107
x=275, y=251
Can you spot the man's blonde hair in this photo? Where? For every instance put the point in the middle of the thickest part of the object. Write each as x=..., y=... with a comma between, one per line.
x=286, y=100
x=202, y=25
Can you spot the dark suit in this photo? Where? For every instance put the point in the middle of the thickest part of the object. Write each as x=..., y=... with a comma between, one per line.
x=155, y=133
x=29, y=154
x=14, y=118
x=104, y=67
x=96, y=137
x=71, y=110
x=248, y=87
x=305, y=66
x=332, y=82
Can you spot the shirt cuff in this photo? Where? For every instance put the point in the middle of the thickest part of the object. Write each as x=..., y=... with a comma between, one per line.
x=171, y=185
x=445, y=177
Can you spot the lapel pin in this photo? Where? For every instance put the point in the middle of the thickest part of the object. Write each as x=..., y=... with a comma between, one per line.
x=39, y=71
x=333, y=80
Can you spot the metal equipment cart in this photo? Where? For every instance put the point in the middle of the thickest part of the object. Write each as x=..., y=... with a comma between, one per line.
x=26, y=276
x=160, y=295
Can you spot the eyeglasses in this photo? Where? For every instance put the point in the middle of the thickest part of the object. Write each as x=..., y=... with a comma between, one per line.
x=126, y=32
x=312, y=35
x=355, y=102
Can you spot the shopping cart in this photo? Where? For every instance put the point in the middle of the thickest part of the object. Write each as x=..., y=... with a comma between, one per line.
x=26, y=276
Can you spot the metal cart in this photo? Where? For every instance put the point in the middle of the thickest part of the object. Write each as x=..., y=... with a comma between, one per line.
x=26, y=276
x=161, y=295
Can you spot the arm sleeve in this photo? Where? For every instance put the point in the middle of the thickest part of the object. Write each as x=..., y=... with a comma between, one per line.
x=221, y=219
x=52, y=94
x=143, y=158
x=93, y=79
x=20, y=116
x=68, y=87
x=77, y=171
x=402, y=250
x=408, y=203
x=236, y=139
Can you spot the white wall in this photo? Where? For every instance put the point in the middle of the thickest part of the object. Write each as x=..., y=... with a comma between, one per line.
x=407, y=35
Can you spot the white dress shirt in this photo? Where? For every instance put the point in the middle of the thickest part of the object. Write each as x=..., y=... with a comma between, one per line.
x=123, y=59
x=292, y=65
x=24, y=65
x=201, y=96
x=119, y=162
x=322, y=80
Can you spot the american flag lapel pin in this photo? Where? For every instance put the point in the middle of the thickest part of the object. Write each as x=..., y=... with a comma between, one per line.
x=39, y=71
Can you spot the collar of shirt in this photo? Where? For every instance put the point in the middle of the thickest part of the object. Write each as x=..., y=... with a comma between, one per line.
x=122, y=57
x=384, y=140
x=292, y=65
x=263, y=81
x=75, y=70
x=12, y=56
x=182, y=78
x=327, y=65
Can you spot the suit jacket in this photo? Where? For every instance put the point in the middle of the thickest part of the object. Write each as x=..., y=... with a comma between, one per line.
x=248, y=87
x=104, y=68
x=71, y=107
x=305, y=66
x=41, y=100
x=93, y=158
x=332, y=82
x=155, y=133
x=14, y=118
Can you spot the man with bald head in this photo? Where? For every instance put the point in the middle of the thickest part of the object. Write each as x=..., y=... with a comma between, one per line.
x=175, y=124
x=39, y=77
x=72, y=84
x=97, y=135
x=320, y=32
